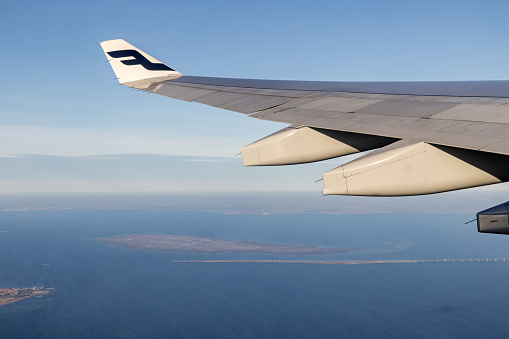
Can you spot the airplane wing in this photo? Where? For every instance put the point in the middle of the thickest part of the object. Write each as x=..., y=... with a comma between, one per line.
x=430, y=136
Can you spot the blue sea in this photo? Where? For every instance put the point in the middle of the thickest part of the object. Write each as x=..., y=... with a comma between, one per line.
x=103, y=291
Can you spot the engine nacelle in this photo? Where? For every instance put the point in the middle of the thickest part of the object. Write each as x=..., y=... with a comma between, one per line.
x=494, y=219
x=306, y=144
x=414, y=168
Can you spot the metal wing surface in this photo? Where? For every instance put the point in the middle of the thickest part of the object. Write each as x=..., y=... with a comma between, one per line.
x=431, y=136
x=472, y=115
x=466, y=114
x=427, y=137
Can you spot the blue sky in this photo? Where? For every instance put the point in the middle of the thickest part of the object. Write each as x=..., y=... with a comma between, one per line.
x=58, y=96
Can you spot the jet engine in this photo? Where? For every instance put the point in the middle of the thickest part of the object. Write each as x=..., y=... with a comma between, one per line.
x=414, y=168
x=306, y=144
x=494, y=219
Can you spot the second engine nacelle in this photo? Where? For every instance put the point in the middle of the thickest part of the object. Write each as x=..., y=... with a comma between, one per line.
x=413, y=168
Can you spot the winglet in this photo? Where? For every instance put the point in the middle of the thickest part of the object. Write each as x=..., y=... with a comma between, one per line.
x=131, y=64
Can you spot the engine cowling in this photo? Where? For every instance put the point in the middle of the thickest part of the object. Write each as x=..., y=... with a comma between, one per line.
x=414, y=168
x=307, y=144
x=494, y=219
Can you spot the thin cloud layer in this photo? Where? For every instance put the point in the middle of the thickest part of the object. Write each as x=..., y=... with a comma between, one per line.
x=84, y=142
x=152, y=173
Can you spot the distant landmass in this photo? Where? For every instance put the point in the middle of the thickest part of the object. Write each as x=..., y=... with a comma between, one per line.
x=192, y=244
x=11, y=295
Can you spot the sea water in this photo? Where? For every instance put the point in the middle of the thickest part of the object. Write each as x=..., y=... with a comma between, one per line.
x=103, y=291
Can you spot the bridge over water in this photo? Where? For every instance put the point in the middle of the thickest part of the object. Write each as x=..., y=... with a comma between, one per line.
x=352, y=262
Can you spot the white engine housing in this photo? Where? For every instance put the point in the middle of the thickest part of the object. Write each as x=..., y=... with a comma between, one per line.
x=305, y=144
x=412, y=169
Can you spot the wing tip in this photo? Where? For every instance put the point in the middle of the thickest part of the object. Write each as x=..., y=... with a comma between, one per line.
x=131, y=64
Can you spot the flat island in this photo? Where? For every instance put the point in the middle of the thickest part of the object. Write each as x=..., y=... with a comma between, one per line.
x=11, y=295
x=163, y=242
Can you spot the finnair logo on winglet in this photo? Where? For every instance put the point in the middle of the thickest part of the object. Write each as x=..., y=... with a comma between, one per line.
x=138, y=59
